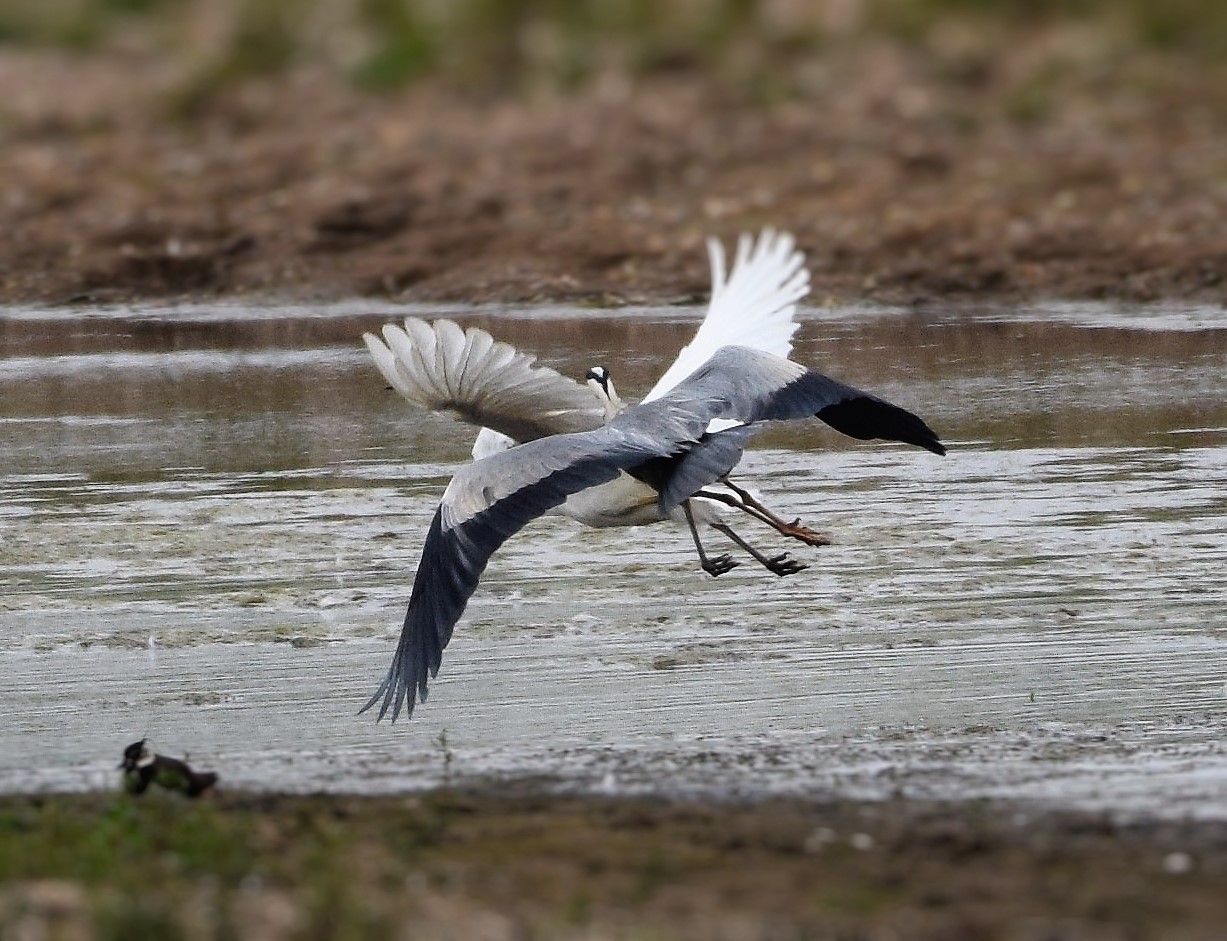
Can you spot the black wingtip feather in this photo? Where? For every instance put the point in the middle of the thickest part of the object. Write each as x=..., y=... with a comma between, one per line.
x=866, y=417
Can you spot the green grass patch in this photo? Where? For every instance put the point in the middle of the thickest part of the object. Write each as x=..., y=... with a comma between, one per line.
x=488, y=864
x=505, y=45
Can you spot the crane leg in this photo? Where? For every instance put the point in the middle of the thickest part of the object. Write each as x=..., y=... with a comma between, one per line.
x=745, y=502
x=776, y=564
x=713, y=567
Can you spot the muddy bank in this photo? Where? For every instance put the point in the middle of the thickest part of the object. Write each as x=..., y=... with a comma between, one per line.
x=1005, y=166
x=528, y=865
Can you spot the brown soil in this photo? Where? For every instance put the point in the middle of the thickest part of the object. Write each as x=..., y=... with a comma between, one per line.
x=1039, y=165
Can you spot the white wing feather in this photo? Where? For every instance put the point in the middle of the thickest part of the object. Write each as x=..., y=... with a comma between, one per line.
x=440, y=367
x=490, y=442
x=755, y=307
x=485, y=382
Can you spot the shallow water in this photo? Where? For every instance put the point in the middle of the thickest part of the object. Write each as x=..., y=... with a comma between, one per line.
x=210, y=516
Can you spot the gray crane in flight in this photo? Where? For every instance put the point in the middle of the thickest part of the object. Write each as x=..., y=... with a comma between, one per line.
x=678, y=446
x=473, y=377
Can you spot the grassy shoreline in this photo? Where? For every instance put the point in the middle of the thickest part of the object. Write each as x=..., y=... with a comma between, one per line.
x=528, y=864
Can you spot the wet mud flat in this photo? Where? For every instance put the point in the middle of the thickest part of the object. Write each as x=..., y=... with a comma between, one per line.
x=212, y=515
x=513, y=862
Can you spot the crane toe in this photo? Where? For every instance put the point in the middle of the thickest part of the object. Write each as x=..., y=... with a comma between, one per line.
x=720, y=565
x=806, y=535
x=782, y=565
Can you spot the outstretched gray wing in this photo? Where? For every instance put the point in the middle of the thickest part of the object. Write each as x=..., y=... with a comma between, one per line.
x=484, y=505
x=704, y=421
x=740, y=388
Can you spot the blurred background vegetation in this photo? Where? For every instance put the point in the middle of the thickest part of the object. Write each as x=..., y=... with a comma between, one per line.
x=509, y=45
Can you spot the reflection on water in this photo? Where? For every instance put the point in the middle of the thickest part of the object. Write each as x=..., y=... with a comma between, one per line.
x=210, y=519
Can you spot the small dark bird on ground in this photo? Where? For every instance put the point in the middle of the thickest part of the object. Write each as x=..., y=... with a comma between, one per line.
x=142, y=766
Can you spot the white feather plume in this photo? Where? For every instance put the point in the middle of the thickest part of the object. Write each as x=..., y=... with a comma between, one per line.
x=754, y=307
